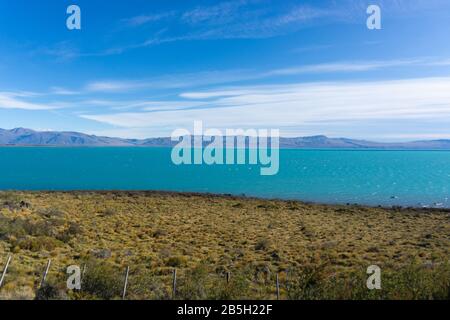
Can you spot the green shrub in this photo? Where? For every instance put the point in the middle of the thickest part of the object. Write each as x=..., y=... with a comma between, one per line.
x=102, y=281
x=18, y=227
x=70, y=232
x=51, y=213
x=176, y=262
x=237, y=288
x=202, y=284
x=10, y=228
x=36, y=244
x=262, y=245
x=412, y=282
x=146, y=285
x=41, y=228
x=306, y=283
x=50, y=291
x=108, y=212
x=416, y=282
x=194, y=285
x=12, y=201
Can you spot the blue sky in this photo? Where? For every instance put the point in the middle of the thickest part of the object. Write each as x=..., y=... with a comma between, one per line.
x=144, y=68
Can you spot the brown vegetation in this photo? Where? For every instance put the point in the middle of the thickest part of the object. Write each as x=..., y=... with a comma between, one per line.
x=320, y=251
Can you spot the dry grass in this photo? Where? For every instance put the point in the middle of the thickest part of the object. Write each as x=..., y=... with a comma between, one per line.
x=156, y=232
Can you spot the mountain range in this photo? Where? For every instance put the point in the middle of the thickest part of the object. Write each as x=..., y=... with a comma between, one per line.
x=28, y=137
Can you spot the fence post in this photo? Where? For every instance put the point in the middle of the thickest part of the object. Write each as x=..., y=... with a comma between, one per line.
x=287, y=284
x=44, y=276
x=228, y=277
x=83, y=272
x=2, y=279
x=126, y=283
x=278, y=287
x=174, y=284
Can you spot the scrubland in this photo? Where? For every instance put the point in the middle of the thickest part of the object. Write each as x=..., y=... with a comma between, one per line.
x=317, y=251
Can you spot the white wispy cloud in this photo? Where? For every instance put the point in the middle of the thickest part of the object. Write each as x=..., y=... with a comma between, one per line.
x=63, y=91
x=251, y=19
x=229, y=76
x=10, y=100
x=253, y=24
x=346, y=67
x=297, y=105
x=221, y=13
x=244, y=19
x=439, y=63
x=173, y=81
x=316, y=47
x=114, y=86
x=144, y=19
x=62, y=51
x=31, y=100
x=238, y=19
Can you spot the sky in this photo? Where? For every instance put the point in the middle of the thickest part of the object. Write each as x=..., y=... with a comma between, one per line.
x=141, y=68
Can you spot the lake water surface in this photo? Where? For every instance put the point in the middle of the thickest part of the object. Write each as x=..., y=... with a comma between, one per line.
x=409, y=178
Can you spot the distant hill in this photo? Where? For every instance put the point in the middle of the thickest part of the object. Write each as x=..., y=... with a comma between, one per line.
x=317, y=142
x=28, y=137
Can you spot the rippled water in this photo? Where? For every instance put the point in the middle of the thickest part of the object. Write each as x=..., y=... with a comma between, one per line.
x=412, y=178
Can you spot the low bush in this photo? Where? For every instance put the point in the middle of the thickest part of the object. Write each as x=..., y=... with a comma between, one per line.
x=413, y=282
x=176, y=262
x=73, y=230
x=50, y=291
x=262, y=245
x=102, y=281
x=12, y=201
x=147, y=285
x=36, y=244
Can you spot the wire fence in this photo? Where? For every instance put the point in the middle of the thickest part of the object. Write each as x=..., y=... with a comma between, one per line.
x=123, y=283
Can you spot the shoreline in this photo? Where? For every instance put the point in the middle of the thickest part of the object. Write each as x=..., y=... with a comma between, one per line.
x=281, y=148
x=228, y=196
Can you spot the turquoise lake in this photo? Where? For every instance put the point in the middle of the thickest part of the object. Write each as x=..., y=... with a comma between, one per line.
x=408, y=178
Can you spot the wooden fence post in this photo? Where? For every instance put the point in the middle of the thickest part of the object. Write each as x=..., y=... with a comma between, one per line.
x=174, y=284
x=2, y=279
x=83, y=272
x=278, y=287
x=228, y=277
x=125, y=283
x=44, y=276
x=287, y=284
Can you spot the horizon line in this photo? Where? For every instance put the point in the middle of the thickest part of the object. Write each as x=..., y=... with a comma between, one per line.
x=280, y=137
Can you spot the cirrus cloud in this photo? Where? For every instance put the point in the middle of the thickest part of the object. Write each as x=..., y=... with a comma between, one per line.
x=297, y=105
